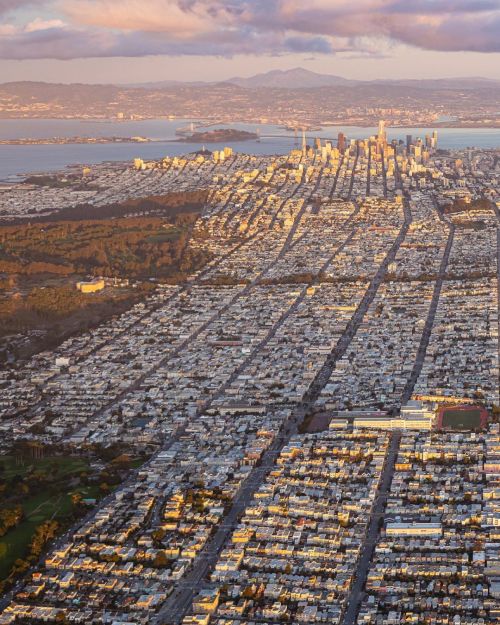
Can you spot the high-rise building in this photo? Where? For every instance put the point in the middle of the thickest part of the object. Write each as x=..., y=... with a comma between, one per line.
x=409, y=141
x=381, y=136
x=434, y=141
x=341, y=142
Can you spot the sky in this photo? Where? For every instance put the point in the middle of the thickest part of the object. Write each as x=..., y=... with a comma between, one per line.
x=124, y=41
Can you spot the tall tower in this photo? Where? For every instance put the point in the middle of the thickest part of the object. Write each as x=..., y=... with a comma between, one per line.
x=381, y=130
x=435, y=139
x=304, y=144
x=341, y=142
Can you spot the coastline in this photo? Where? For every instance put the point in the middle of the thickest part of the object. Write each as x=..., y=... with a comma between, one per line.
x=43, y=157
x=74, y=140
x=309, y=126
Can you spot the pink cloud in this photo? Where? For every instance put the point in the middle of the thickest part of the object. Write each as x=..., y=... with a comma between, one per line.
x=228, y=27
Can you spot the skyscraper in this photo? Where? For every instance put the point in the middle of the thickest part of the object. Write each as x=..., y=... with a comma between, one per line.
x=341, y=142
x=434, y=141
x=381, y=136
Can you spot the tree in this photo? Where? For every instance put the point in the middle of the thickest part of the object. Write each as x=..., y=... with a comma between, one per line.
x=160, y=561
x=9, y=518
x=76, y=498
x=158, y=535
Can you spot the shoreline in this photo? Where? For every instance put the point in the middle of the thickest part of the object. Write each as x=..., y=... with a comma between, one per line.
x=453, y=125
x=20, y=160
x=75, y=141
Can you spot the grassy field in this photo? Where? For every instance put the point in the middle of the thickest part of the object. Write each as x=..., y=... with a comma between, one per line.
x=43, y=505
x=462, y=419
x=66, y=465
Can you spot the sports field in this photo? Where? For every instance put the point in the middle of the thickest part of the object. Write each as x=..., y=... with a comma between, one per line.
x=463, y=419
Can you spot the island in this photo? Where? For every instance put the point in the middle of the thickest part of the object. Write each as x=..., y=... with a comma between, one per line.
x=219, y=135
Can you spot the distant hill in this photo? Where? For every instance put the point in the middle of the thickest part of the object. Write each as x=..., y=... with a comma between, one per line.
x=54, y=92
x=164, y=84
x=466, y=84
x=300, y=78
x=275, y=95
x=297, y=78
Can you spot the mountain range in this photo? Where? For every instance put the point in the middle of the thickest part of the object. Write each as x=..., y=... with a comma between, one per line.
x=300, y=78
x=275, y=96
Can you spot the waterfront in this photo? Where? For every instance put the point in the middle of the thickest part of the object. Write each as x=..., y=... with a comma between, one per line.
x=23, y=159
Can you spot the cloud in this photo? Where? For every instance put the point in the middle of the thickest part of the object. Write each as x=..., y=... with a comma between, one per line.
x=7, y=6
x=40, y=24
x=86, y=28
x=309, y=44
x=458, y=25
x=177, y=18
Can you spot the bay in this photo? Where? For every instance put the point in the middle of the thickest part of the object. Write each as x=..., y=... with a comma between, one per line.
x=23, y=159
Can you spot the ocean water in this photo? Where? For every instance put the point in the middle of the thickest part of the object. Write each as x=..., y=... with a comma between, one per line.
x=24, y=159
